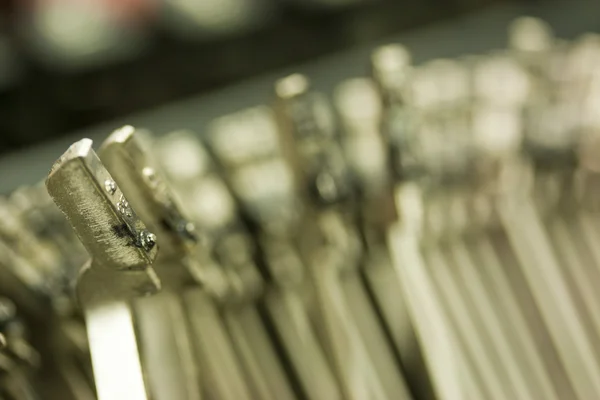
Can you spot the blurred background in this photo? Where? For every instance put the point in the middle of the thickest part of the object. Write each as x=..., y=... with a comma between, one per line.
x=70, y=66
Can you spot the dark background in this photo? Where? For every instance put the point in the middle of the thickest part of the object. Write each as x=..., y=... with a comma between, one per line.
x=45, y=93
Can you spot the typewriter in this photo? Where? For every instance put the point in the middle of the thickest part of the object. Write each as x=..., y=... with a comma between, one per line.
x=423, y=231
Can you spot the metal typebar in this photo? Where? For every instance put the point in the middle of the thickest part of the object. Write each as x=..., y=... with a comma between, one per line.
x=122, y=251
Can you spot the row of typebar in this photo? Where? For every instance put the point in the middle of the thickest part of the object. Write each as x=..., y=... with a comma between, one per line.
x=428, y=232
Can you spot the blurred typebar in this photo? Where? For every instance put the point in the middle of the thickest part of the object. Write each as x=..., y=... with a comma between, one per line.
x=422, y=225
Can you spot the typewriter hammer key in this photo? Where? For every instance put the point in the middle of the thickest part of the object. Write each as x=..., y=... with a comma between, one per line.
x=573, y=254
x=495, y=276
x=120, y=268
x=437, y=340
x=163, y=331
x=311, y=139
x=574, y=235
x=195, y=326
x=530, y=241
x=476, y=301
x=563, y=180
x=392, y=70
x=263, y=183
x=506, y=357
x=211, y=206
x=523, y=367
x=360, y=107
x=476, y=353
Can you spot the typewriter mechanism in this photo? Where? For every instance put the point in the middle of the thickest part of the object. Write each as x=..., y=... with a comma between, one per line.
x=425, y=232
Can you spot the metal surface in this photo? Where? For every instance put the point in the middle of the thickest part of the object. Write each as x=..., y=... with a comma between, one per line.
x=333, y=249
x=119, y=270
x=237, y=286
x=431, y=234
x=262, y=182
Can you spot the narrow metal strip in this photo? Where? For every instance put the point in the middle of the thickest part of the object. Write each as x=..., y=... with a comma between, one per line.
x=115, y=357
